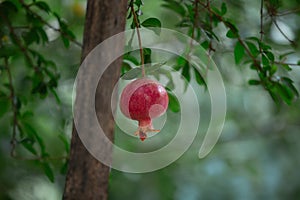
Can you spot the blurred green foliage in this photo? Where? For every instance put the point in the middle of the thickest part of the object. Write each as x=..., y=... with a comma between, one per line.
x=257, y=155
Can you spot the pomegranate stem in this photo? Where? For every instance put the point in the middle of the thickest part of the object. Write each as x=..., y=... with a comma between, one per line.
x=137, y=25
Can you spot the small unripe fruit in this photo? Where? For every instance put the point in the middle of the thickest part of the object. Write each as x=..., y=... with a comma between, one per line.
x=143, y=100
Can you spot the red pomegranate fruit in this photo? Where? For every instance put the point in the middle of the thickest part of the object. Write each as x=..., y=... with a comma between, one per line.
x=143, y=100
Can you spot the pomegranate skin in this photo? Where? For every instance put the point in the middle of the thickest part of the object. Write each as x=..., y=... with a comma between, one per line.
x=143, y=100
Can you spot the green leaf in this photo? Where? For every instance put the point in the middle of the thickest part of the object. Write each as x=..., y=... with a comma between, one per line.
x=174, y=105
x=43, y=6
x=43, y=35
x=8, y=7
x=131, y=59
x=265, y=60
x=147, y=55
x=186, y=72
x=132, y=74
x=125, y=68
x=231, y=34
x=32, y=134
x=239, y=52
x=199, y=79
x=139, y=3
x=66, y=41
x=28, y=144
x=223, y=9
x=27, y=115
x=205, y=44
x=253, y=49
x=286, y=67
x=52, y=90
x=254, y=82
x=273, y=70
x=152, y=24
x=285, y=93
x=273, y=95
x=48, y=171
x=264, y=46
x=152, y=69
x=31, y=36
x=231, y=26
x=270, y=55
x=289, y=83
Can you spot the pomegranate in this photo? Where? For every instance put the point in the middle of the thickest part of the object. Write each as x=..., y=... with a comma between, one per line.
x=142, y=100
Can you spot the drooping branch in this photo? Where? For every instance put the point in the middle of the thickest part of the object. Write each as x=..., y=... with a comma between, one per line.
x=12, y=97
x=282, y=32
x=63, y=33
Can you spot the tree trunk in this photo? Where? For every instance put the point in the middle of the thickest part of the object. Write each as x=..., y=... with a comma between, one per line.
x=87, y=178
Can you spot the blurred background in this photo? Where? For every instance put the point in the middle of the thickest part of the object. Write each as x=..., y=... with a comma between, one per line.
x=257, y=156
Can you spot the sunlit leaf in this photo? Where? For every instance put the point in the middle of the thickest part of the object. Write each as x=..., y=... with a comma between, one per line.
x=273, y=70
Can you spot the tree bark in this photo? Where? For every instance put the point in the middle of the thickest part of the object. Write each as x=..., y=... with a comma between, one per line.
x=87, y=178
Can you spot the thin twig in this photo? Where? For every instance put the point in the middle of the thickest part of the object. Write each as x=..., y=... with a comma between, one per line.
x=287, y=12
x=196, y=4
x=261, y=20
x=137, y=25
x=281, y=31
x=261, y=30
x=284, y=63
